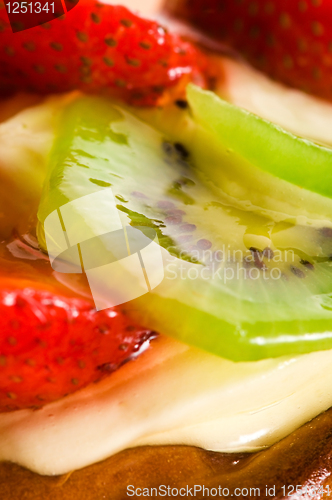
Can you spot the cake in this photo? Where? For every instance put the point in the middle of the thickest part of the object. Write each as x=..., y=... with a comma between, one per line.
x=216, y=382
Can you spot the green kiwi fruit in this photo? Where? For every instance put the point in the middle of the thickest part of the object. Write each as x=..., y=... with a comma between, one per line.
x=247, y=261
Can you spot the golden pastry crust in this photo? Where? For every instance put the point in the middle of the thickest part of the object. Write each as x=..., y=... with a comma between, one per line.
x=302, y=458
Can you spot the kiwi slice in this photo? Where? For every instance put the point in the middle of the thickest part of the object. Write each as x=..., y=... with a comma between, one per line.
x=263, y=144
x=247, y=261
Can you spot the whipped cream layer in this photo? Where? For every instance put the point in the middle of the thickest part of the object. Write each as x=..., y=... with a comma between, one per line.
x=171, y=394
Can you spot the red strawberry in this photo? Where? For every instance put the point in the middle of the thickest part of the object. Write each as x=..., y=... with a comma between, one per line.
x=52, y=345
x=98, y=47
x=291, y=40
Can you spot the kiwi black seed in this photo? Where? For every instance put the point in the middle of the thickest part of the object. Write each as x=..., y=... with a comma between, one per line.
x=176, y=152
x=257, y=257
x=297, y=272
x=254, y=251
x=268, y=253
x=326, y=232
x=182, y=150
x=181, y=103
x=173, y=219
x=187, y=228
x=307, y=264
x=204, y=244
x=165, y=204
x=176, y=212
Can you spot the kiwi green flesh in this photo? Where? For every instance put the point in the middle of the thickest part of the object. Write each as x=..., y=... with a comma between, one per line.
x=242, y=280
x=262, y=144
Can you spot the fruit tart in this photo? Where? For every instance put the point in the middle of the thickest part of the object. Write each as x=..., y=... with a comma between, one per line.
x=166, y=249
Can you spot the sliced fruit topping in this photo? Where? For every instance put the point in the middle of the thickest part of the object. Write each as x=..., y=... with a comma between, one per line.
x=261, y=144
x=247, y=262
x=290, y=40
x=98, y=47
x=52, y=345
x=302, y=114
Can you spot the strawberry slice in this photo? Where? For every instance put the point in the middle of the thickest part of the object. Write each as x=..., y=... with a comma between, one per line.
x=98, y=47
x=289, y=40
x=52, y=345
